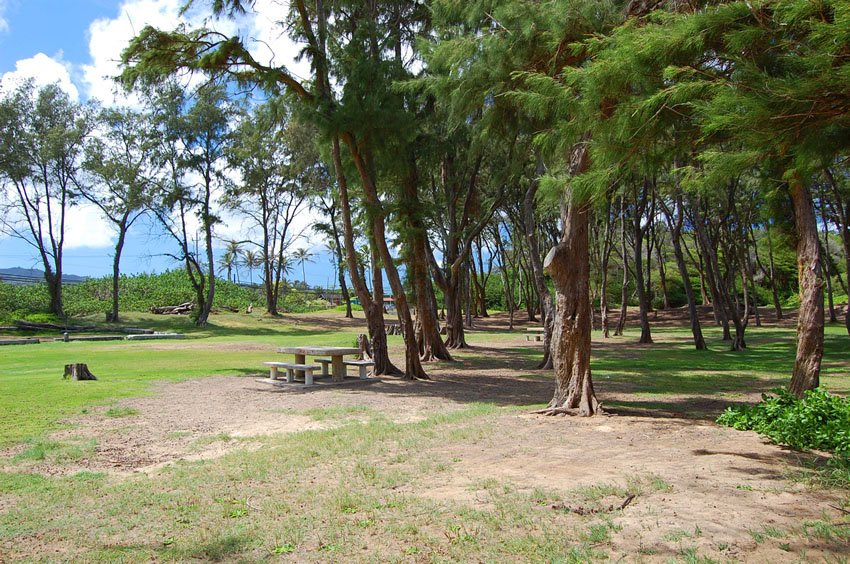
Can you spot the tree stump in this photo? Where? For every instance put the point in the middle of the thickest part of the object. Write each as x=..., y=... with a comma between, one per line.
x=365, y=347
x=78, y=371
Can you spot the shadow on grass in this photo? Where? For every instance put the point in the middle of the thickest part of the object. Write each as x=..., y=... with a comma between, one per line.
x=682, y=383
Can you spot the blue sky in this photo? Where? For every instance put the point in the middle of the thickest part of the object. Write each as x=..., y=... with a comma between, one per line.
x=77, y=43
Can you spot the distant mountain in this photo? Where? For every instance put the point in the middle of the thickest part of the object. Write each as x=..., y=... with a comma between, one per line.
x=18, y=275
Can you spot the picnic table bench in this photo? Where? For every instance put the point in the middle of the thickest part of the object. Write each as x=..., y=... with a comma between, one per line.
x=534, y=333
x=362, y=366
x=291, y=368
x=333, y=356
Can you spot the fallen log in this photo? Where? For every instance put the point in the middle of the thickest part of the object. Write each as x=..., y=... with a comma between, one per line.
x=173, y=310
x=30, y=326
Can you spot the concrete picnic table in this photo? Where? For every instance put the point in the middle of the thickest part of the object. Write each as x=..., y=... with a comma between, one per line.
x=335, y=354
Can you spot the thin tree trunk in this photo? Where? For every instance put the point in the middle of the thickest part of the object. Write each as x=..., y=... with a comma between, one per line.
x=662, y=274
x=547, y=304
x=374, y=315
x=624, y=294
x=768, y=274
x=712, y=270
x=606, y=256
x=638, y=232
x=824, y=249
x=842, y=212
x=116, y=268
x=675, y=240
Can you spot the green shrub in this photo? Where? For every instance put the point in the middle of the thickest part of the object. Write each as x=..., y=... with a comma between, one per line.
x=818, y=421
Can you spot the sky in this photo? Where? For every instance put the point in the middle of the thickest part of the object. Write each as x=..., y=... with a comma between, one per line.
x=77, y=43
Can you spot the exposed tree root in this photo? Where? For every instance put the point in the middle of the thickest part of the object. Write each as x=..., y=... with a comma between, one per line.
x=573, y=411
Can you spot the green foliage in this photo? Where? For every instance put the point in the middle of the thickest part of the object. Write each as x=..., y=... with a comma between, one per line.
x=137, y=293
x=818, y=420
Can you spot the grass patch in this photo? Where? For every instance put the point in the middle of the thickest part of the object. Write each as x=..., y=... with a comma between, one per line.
x=121, y=412
x=338, y=413
x=56, y=452
x=35, y=397
x=354, y=490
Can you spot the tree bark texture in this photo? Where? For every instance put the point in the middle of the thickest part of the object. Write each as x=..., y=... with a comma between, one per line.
x=374, y=315
x=810, y=319
x=568, y=264
x=78, y=371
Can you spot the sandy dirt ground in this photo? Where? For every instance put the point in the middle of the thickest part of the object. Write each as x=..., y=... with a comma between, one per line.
x=724, y=484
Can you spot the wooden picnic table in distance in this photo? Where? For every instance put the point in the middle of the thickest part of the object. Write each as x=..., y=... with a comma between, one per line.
x=335, y=354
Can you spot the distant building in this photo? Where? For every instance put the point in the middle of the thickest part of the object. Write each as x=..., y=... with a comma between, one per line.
x=334, y=298
x=389, y=303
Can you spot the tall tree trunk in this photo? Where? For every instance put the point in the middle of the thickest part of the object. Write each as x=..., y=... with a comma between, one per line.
x=662, y=273
x=116, y=267
x=547, y=304
x=712, y=270
x=507, y=287
x=767, y=274
x=676, y=241
x=481, y=285
x=810, y=319
x=777, y=306
x=467, y=295
x=826, y=260
x=374, y=315
x=340, y=261
x=607, y=245
x=638, y=232
x=624, y=293
x=429, y=343
x=842, y=213
x=413, y=366
x=569, y=265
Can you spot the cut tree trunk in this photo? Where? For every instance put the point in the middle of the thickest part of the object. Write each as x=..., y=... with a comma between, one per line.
x=78, y=371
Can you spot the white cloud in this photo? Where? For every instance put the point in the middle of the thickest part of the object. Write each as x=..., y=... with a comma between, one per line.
x=4, y=25
x=109, y=37
x=87, y=227
x=43, y=70
x=260, y=29
x=269, y=42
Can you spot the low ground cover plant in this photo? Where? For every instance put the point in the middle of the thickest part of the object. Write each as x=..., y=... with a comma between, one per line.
x=819, y=420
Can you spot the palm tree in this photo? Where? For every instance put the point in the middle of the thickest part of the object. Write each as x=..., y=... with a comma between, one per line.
x=230, y=259
x=301, y=256
x=251, y=260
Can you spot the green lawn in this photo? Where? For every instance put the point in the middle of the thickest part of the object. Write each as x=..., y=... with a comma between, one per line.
x=35, y=396
x=358, y=491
